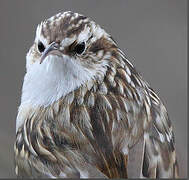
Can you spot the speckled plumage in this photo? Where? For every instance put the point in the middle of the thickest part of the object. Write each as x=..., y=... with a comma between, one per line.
x=112, y=126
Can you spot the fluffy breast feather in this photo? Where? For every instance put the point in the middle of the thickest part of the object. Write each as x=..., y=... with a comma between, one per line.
x=94, y=127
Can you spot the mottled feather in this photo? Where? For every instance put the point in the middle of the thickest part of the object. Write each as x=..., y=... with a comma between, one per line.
x=112, y=126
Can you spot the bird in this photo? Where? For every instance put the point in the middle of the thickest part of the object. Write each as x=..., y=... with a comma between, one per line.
x=85, y=111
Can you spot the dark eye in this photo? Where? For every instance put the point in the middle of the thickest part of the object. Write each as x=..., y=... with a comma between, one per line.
x=41, y=47
x=79, y=48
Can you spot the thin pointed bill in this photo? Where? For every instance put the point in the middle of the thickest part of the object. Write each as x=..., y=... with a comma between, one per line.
x=52, y=49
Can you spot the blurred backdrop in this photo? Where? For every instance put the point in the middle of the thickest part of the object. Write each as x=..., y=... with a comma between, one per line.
x=152, y=33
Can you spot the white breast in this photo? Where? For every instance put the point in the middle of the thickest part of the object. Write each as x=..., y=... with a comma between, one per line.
x=47, y=82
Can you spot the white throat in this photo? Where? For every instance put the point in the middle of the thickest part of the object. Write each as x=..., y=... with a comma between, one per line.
x=47, y=82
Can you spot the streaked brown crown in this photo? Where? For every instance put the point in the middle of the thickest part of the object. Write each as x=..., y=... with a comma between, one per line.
x=63, y=25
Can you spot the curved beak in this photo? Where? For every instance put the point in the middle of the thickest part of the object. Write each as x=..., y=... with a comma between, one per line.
x=53, y=48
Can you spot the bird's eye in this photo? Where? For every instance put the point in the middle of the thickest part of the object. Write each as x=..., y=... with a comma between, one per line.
x=79, y=48
x=41, y=47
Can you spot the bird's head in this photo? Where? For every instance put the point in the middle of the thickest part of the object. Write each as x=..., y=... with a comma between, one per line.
x=73, y=40
x=69, y=50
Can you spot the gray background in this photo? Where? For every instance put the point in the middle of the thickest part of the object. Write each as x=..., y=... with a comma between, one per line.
x=152, y=33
